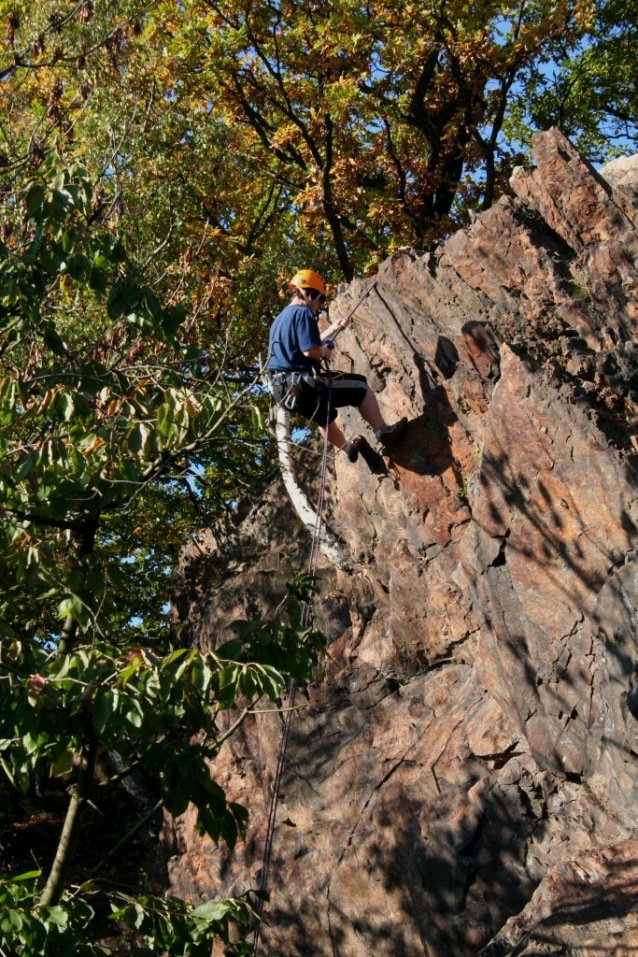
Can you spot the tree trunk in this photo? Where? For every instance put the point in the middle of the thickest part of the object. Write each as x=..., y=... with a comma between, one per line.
x=330, y=210
x=86, y=543
x=69, y=838
x=329, y=544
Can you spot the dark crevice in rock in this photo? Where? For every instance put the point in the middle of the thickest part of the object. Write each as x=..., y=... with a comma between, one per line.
x=468, y=856
x=573, y=777
x=501, y=557
x=446, y=357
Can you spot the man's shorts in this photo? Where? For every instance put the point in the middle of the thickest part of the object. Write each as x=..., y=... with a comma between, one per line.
x=348, y=389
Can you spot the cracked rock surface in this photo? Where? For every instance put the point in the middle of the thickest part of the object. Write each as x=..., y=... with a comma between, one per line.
x=461, y=778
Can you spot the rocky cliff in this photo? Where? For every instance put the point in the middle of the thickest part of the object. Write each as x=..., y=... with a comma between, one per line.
x=462, y=780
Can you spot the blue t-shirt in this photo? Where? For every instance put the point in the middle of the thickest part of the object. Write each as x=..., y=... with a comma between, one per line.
x=293, y=332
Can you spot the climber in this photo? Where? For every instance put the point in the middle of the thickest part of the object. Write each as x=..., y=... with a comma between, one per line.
x=295, y=349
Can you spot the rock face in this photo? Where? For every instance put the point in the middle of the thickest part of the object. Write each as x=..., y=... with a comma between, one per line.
x=622, y=171
x=463, y=778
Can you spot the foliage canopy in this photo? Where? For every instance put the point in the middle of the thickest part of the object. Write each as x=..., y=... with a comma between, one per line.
x=163, y=169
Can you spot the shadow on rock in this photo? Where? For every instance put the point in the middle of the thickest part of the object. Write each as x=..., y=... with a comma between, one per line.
x=426, y=447
x=584, y=907
x=429, y=852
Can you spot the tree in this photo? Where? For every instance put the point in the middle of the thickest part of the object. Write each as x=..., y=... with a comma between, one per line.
x=90, y=425
x=587, y=90
x=100, y=84
x=370, y=115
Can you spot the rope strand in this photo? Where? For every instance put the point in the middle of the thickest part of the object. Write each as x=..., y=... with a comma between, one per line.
x=305, y=613
x=292, y=688
x=352, y=311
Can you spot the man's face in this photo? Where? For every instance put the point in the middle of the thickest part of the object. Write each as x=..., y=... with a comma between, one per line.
x=314, y=301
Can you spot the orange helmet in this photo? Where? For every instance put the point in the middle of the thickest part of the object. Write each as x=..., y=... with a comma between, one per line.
x=307, y=279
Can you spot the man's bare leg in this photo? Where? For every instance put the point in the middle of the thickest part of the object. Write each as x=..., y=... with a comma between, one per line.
x=335, y=435
x=370, y=411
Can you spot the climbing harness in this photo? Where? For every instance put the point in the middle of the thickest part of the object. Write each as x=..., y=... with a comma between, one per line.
x=284, y=388
x=292, y=689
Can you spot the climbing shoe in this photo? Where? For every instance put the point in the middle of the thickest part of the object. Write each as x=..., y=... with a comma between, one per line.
x=391, y=433
x=354, y=448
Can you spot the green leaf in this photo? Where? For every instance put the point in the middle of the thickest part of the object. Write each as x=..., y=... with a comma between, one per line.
x=132, y=295
x=132, y=915
x=65, y=405
x=174, y=655
x=229, y=675
x=116, y=302
x=7, y=770
x=28, y=876
x=22, y=469
x=212, y=910
x=152, y=304
x=35, y=199
x=56, y=915
x=31, y=742
x=118, y=253
x=98, y=279
x=102, y=710
x=138, y=439
x=133, y=712
x=63, y=764
x=258, y=422
x=13, y=922
x=90, y=887
x=125, y=675
x=201, y=675
x=53, y=341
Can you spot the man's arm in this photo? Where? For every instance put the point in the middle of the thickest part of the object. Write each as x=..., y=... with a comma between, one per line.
x=319, y=352
x=336, y=326
x=308, y=336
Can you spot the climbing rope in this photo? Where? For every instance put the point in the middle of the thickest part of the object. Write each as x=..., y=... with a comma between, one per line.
x=292, y=688
x=352, y=311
